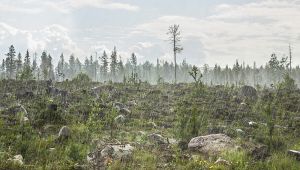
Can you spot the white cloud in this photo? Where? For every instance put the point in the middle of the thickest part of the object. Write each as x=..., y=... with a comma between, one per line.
x=16, y=7
x=66, y=6
x=246, y=32
x=54, y=38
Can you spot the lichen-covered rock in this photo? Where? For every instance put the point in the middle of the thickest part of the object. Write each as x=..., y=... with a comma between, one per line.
x=211, y=144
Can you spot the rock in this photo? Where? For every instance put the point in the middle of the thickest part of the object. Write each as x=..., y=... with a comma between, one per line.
x=221, y=161
x=100, y=159
x=157, y=139
x=64, y=133
x=211, y=144
x=118, y=151
x=294, y=153
x=18, y=159
x=120, y=119
x=248, y=91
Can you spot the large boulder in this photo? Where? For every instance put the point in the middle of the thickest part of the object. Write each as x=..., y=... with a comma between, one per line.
x=248, y=91
x=211, y=144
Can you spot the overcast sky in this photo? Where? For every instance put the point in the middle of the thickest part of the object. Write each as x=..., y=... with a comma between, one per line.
x=213, y=31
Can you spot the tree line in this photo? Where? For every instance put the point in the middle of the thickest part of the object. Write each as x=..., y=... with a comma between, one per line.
x=110, y=67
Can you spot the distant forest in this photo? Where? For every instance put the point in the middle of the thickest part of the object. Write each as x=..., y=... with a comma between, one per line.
x=110, y=67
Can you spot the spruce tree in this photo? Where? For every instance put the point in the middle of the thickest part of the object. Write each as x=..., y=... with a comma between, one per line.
x=10, y=62
x=104, y=67
x=113, y=64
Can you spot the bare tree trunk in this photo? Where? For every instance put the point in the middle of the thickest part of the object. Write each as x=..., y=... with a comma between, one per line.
x=175, y=59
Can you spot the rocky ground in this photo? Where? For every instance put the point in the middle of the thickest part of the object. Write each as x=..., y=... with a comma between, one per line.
x=86, y=125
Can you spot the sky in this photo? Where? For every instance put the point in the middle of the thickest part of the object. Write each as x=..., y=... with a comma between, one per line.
x=213, y=31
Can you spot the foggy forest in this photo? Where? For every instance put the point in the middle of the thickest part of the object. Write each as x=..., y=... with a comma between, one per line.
x=110, y=84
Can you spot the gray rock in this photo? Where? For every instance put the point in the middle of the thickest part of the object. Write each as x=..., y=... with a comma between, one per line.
x=100, y=158
x=211, y=144
x=157, y=139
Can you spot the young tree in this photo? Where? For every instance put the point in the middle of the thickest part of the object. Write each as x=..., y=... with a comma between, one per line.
x=121, y=68
x=104, y=66
x=61, y=67
x=175, y=38
x=290, y=56
x=133, y=61
x=113, y=63
x=10, y=62
x=34, y=66
x=19, y=63
x=3, y=68
x=44, y=65
x=27, y=59
x=72, y=66
x=50, y=68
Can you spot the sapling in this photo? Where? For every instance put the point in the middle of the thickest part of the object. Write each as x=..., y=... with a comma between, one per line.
x=196, y=75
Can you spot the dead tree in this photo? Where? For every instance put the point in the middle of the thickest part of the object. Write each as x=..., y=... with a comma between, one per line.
x=174, y=38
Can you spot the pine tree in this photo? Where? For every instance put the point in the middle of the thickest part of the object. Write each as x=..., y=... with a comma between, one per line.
x=19, y=63
x=113, y=64
x=72, y=66
x=35, y=66
x=44, y=65
x=121, y=68
x=27, y=59
x=10, y=62
x=78, y=66
x=50, y=68
x=3, y=68
x=104, y=67
x=133, y=61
